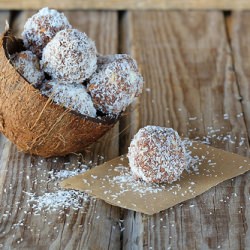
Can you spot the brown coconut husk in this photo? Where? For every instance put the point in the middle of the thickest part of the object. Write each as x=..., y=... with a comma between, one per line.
x=32, y=121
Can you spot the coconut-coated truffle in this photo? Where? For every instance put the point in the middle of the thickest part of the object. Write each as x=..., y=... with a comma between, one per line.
x=41, y=28
x=72, y=96
x=27, y=64
x=115, y=84
x=156, y=155
x=70, y=57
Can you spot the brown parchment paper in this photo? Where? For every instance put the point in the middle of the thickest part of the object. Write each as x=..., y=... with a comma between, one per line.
x=217, y=166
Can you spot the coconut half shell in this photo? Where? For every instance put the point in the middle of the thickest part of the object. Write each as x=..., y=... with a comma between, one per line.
x=32, y=121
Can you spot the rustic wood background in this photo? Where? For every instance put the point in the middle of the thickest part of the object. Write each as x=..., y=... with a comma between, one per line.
x=196, y=68
x=126, y=5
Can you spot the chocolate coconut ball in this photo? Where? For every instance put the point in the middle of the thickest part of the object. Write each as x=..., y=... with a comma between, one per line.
x=115, y=84
x=72, y=96
x=41, y=28
x=27, y=64
x=70, y=57
x=157, y=155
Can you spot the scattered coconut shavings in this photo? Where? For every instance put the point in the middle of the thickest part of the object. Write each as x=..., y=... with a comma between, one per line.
x=127, y=182
x=192, y=162
x=59, y=199
x=221, y=136
x=72, y=96
x=126, y=179
x=63, y=174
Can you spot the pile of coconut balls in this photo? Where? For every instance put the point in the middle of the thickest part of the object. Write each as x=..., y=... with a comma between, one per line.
x=63, y=63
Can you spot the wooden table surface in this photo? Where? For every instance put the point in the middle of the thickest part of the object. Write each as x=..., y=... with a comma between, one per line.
x=196, y=67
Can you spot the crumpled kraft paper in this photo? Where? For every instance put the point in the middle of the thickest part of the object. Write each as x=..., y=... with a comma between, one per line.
x=110, y=181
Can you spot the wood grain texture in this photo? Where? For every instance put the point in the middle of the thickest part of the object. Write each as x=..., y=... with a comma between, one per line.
x=186, y=61
x=191, y=86
x=20, y=228
x=125, y=5
x=239, y=32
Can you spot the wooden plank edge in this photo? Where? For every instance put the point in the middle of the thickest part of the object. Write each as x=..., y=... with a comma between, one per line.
x=128, y=5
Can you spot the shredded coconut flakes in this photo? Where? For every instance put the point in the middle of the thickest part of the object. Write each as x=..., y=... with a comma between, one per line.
x=72, y=96
x=59, y=199
x=27, y=64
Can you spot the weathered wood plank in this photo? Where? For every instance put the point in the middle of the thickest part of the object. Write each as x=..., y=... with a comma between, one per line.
x=239, y=32
x=124, y=5
x=186, y=61
x=70, y=229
